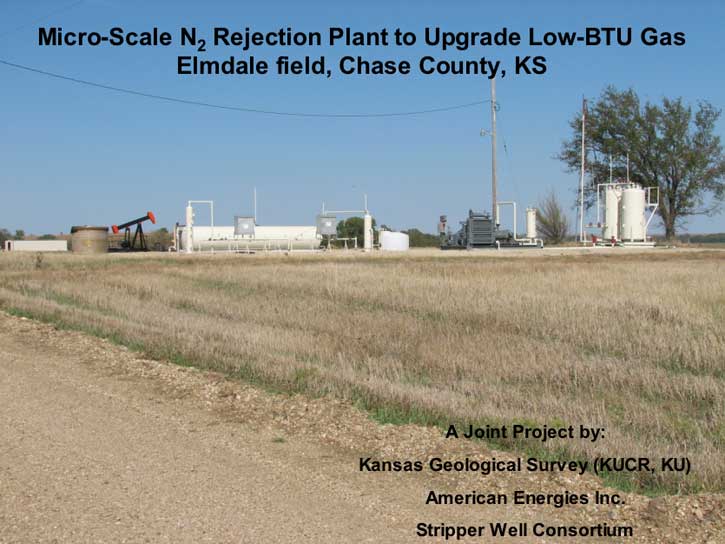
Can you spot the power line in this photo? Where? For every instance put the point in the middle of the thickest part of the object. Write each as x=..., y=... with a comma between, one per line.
x=237, y=108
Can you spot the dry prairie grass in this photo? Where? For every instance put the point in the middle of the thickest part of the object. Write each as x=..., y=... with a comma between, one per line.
x=633, y=342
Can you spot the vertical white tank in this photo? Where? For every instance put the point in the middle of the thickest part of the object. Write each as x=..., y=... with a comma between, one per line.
x=368, y=232
x=612, y=196
x=631, y=221
x=189, y=230
x=530, y=223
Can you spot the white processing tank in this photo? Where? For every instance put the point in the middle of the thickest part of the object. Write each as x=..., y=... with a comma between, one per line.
x=632, y=223
x=368, y=232
x=222, y=238
x=394, y=241
x=531, y=223
x=612, y=196
x=187, y=240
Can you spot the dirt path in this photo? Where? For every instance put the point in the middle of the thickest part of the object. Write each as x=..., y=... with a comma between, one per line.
x=98, y=445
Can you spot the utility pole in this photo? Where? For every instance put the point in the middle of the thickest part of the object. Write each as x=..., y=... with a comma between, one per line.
x=581, y=180
x=494, y=211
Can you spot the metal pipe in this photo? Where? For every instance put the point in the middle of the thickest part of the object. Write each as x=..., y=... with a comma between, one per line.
x=653, y=205
x=599, y=220
x=345, y=211
x=509, y=203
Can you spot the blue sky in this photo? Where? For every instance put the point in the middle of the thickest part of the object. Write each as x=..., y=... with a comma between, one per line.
x=73, y=154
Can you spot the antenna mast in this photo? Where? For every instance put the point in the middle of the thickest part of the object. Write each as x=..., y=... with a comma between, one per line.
x=494, y=211
x=581, y=180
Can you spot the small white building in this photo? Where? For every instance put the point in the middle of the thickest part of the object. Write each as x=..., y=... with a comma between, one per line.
x=36, y=245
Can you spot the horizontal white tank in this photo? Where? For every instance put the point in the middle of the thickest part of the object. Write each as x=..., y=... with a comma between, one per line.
x=206, y=238
x=394, y=241
x=631, y=215
x=36, y=245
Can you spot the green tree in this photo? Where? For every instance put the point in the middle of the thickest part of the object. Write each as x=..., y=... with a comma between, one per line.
x=353, y=227
x=19, y=234
x=551, y=221
x=47, y=237
x=419, y=238
x=159, y=239
x=4, y=235
x=670, y=145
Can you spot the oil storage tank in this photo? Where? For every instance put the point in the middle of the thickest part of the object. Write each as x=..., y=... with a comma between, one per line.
x=87, y=239
x=632, y=224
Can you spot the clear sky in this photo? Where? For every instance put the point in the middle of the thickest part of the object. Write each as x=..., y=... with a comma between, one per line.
x=73, y=154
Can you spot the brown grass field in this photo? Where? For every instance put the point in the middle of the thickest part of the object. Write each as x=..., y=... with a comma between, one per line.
x=630, y=341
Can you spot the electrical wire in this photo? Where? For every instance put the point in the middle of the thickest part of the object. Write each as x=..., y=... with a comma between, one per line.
x=238, y=108
x=508, y=162
x=208, y=104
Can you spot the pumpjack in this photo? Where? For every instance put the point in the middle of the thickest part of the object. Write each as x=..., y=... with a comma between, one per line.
x=129, y=243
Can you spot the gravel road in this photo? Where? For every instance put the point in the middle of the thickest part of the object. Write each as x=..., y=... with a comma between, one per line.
x=100, y=445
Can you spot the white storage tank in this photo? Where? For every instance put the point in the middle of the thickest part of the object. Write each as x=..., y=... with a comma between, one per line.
x=368, y=232
x=188, y=237
x=531, y=223
x=632, y=221
x=222, y=238
x=612, y=196
x=394, y=241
